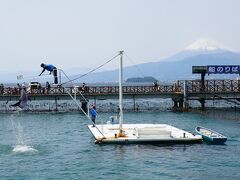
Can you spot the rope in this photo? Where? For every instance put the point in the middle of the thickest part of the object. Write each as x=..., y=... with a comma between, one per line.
x=134, y=64
x=92, y=70
x=71, y=81
x=86, y=114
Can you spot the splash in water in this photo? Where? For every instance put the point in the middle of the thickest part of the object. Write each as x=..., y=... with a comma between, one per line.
x=23, y=149
x=20, y=146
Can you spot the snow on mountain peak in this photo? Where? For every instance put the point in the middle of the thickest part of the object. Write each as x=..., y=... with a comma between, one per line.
x=203, y=45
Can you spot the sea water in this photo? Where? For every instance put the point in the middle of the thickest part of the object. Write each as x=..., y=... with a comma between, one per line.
x=59, y=146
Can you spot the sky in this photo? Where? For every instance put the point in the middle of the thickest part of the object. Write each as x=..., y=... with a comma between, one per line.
x=81, y=34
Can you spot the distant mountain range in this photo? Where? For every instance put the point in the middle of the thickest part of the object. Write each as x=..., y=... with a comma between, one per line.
x=177, y=67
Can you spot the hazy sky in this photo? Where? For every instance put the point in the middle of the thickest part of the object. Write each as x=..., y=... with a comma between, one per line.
x=77, y=33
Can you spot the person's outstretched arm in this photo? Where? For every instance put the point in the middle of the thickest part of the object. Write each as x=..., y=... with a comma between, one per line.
x=42, y=72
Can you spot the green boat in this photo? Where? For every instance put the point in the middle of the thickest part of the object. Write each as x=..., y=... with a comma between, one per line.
x=210, y=135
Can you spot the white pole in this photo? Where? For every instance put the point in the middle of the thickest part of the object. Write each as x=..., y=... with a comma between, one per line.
x=120, y=91
x=60, y=78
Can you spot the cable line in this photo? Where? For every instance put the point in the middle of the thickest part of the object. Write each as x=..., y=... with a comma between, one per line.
x=134, y=64
x=92, y=70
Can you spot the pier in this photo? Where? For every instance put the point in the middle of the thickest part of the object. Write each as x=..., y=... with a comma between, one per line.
x=181, y=92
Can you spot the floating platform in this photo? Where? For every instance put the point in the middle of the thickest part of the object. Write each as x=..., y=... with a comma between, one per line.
x=142, y=133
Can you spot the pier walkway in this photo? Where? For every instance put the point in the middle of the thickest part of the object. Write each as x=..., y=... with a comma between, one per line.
x=180, y=92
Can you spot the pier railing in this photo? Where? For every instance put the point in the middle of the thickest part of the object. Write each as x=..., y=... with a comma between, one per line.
x=93, y=90
x=105, y=90
x=211, y=86
x=192, y=86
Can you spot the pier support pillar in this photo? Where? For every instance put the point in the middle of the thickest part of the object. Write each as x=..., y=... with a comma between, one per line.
x=178, y=104
x=185, y=99
x=202, y=101
x=134, y=104
x=185, y=104
x=175, y=105
x=181, y=104
x=202, y=81
x=56, y=104
x=84, y=106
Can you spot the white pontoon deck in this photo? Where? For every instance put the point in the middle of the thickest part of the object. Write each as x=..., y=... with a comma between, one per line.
x=142, y=133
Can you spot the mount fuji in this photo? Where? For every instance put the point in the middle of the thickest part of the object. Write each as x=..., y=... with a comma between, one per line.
x=199, y=47
x=202, y=52
x=204, y=45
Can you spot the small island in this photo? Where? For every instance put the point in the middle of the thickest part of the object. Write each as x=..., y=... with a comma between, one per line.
x=141, y=79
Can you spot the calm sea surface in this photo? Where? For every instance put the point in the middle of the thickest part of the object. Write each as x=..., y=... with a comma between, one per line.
x=59, y=146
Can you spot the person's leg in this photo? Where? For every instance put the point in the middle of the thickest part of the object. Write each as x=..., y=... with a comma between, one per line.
x=55, y=76
x=93, y=120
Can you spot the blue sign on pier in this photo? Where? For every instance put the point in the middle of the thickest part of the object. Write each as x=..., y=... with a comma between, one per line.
x=224, y=69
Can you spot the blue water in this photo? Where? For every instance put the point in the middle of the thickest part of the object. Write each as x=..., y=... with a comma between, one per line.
x=59, y=146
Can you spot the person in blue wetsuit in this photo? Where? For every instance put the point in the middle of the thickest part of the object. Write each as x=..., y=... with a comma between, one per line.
x=51, y=69
x=93, y=113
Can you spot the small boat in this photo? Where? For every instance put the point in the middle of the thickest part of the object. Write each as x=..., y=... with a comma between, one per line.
x=210, y=135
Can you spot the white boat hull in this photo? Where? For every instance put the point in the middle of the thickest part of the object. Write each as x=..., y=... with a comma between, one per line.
x=142, y=133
